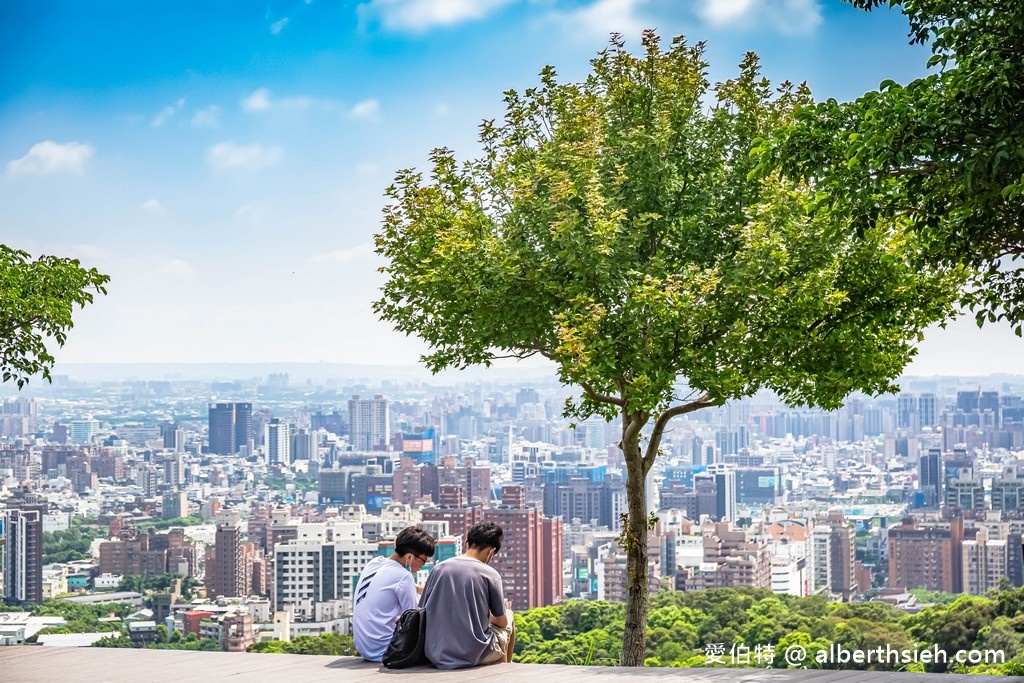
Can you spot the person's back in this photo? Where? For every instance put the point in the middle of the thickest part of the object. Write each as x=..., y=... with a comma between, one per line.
x=386, y=588
x=467, y=623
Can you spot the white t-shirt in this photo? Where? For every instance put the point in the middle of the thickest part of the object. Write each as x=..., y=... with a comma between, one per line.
x=385, y=590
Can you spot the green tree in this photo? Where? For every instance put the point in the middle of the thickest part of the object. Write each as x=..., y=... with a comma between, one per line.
x=326, y=644
x=68, y=545
x=952, y=627
x=944, y=152
x=37, y=298
x=114, y=641
x=616, y=227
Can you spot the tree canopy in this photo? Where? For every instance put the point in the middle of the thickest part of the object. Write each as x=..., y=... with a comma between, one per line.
x=37, y=298
x=622, y=228
x=945, y=152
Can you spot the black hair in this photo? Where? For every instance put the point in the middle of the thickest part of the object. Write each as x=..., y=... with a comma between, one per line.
x=485, y=535
x=415, y=540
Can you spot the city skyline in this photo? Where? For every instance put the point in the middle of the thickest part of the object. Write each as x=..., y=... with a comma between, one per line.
x=226, y=164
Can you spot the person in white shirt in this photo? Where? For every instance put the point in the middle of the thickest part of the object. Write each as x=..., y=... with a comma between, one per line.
x=387, y=588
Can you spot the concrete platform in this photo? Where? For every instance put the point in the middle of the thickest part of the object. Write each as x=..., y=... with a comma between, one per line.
x=25, y=664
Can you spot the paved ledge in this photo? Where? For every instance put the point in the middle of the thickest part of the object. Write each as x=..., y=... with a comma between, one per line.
x=25, y=664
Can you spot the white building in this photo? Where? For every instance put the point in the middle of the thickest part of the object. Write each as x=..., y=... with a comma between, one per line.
x=369, y=422
x=279, y=442
x=320, y=566
x=984, y=563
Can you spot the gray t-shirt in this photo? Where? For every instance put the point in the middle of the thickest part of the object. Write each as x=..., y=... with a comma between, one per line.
x=459, y=597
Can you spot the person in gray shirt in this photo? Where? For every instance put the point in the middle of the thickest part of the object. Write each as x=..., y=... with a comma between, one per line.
x=468, y=621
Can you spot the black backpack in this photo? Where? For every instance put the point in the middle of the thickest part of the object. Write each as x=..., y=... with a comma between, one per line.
x=406, y=646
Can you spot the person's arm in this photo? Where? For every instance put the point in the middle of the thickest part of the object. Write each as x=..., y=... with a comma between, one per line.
x=496, y=600
x=407, y=594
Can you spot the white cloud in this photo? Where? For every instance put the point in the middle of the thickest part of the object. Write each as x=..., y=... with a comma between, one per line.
x=441, y=110
x=294, y=102
x=207, y=117
x=420, y=15
x=278, y=26
x=259, y=100
x=154, y=207
x=604, y=17
x=356, y=253
x=48, y=157
x=367, y=109
x=167, y=113
x=178, y=270
x=227, y=155
x=785, y=16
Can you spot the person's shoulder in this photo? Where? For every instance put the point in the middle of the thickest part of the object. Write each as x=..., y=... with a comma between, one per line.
x=491, y=572
x=381, y=565
x=377, y=561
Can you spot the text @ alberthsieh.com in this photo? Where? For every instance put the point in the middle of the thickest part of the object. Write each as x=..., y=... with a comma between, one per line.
x=800, y=656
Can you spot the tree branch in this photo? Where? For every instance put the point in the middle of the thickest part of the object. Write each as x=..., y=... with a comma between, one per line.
x=517, y=356
x=602, y=398
x=659, y=426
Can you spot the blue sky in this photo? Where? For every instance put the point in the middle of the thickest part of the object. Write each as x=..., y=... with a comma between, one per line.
x=225, y=161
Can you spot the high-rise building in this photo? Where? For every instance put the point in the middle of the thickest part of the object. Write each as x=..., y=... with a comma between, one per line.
x=21, y=540
x=474, y=479
x=279, y=442
x=369, y=422
x=320, y=564
x=758, y=485
x=19, y=417
x=530, y=560
x=927, y=555
x=226, y=576
x=968, y=401
x=928, y=410
x=452, y=510
x=82, y=431
x=724, y=475
x=419, y=447
x=1008, y=490
x=175, y=505
x=230, y=428
x=174, y=469
x=929, y=478
x=408, y=478
x=965, y=493
x=983, y=563
x=907, y=412
x=579, y=499
x=304, y=445
x=989, y=409
x=833, y=553
x=173, y=436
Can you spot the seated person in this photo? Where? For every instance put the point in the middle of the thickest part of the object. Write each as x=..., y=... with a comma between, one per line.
x=387, y=588
x=468, y=623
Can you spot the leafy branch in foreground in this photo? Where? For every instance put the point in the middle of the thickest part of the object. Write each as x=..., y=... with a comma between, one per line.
x=37, y=298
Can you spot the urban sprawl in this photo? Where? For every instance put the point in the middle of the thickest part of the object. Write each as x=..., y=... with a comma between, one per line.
x=263, y=499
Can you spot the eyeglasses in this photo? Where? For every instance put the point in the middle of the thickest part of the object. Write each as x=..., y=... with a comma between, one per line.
x=422, y=559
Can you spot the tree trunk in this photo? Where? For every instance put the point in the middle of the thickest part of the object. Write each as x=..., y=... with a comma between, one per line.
x=635, y=536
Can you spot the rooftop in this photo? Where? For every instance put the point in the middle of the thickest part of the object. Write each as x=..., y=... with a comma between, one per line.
x=38, y=665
